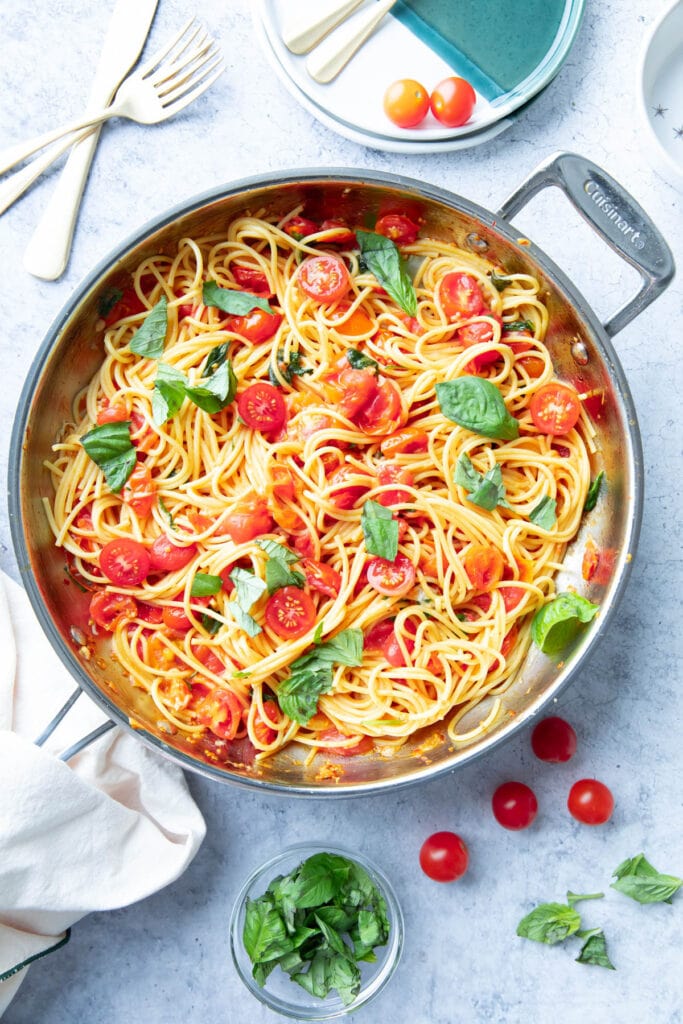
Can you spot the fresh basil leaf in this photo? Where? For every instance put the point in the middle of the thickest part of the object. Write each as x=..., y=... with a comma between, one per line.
x=216, y=358
x=594, y=949
x=319, y=879
x=264, y=934
x=380, y=530
x=557, y=623
x=168, y=394
x=286, y=370
x=477, y=405
x=575, y=897
x=519, y=325
x=332, y=937
x=278, y=575
x=230, y=301
x=486, y=490
x=165, y=512
x=593, y=492
x=149, y=339
x=544, y=514
x=359, y=361
x=466, y=476
x=217, y=392
x=260, y=972
x=204, y=585
x=637, y=878
x=244, y=620
x=110, y=447
x=210, y=624
x=381, y=257
x=549, y=923
x=318, y=635
x=108, y=300
x=278, y=551
x=248, y=587
x=346, y=648
x=499, y=281
x=298, y=695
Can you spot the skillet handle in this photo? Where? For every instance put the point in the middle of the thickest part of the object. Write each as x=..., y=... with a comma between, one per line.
x=614, y=215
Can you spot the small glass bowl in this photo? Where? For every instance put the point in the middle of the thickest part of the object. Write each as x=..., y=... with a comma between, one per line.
x=280, y=993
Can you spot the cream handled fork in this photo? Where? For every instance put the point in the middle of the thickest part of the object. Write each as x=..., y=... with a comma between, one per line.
x=151, y=94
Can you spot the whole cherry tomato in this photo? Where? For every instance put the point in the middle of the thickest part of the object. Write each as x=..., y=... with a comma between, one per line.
x=453, y=101
x=590, y=802
x=444, y=857
x=514, y=805
x=553, y=740
x=406, y=102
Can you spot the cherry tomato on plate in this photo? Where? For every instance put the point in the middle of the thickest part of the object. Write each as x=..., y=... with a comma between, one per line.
x=128, y=305
x=406, y=102
x=108, y=610
x=290, y=613
x=461, y=295
x=398, y=228
x=345, y=495
x=125, y=562
x=358, y=387
x=263, y=730
x=444, y=857
x=221, y=712
x=590, y=802
x=167, y=556
x=555, y=409
x=452, y=102
x=353, y=325
x=343, y=235
x=553, y=740
x=514, y=805
x=324, y=278
x=262, y=407
x=393, y=579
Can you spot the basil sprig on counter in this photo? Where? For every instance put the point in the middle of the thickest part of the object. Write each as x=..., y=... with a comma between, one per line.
x=594, y=949
x=311, y=674
x=230, y=301
x=544, y=513
x=477, y=405
x=549, y=923
x=594, y=492
x=381, y=257
x=150, y=337
x=557, y=623
x=110, y=448
x=637, y=878
x=380, y=530
x=485, y=489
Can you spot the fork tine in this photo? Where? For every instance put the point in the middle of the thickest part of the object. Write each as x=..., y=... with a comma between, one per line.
x=160, y=54
x=193, y=85
x=175, y=68
x=171, y=82
x=180, y=102
x=192, y=40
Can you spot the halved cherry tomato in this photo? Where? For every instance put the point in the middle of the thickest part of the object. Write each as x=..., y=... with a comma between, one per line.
x=398, y=228
x=484, y=565
x=177, y=621
x=555, y=409
x=460, y=296
x=160, y=654
x=354, y=326
x=140, y=491
x=290, y=612
x=167, y=556
x=282, y=484
x=478, y=333
x=125, y=562
x=324, y=278
x=262, y=729
x=393, y=579
x=444, y=857
x=112, y=412
x=151, y=613
x=252, y=279
x=509, y=641
x=109, y=610
x=590, y=802
x=322, y=577
x=391, y=649
x=392, y=473
x=343, y=235
x=346, y=495
x=221, y=712
x=358, y=388
x=262, y=407
x=141, y=434
x=377, y=636
x=128, y=305
x=453, y=101
x=406, y=441
x=363, y=744
x=513, y=595
x=209, y=659
x=303, y=545
x=533, y=365
x=383, y=413
x=250, y=519
x=406, y=102
x=597, y=566
x=300, y=227
x=256, y=326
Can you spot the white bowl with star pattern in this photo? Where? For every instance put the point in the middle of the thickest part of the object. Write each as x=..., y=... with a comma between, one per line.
x=660, y=94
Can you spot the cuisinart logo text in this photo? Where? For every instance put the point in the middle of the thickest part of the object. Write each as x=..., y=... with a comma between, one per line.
x=592, y=189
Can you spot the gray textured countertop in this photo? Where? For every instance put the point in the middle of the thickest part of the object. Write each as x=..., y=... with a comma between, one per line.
x=167, y=959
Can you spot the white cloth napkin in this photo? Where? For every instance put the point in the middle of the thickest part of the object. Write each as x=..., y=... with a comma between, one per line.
x=113, y=826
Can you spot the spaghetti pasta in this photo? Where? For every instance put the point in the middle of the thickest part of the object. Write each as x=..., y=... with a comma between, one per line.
x=248, y=515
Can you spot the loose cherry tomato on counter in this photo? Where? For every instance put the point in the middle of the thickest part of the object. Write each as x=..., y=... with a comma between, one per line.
x=514, y=805
x=168, y=557
x=125, y=562
x=250, y=519
x=398, y=228
x=383, y=412
x=460, y=295
x=257, y=325
x=590, y=802
x=390, y=473
x=484, y=566
x=406, y=102
x=140, y=491
x=290, y=613
x=324, y=278
x=555, y=409
x=452, y=102
x=300, y=227
x=444, y=857
x=252, y=279
x=321, y=577
x=393, y=579
x=553, y=740
x=262, y=407
x=108, y=610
